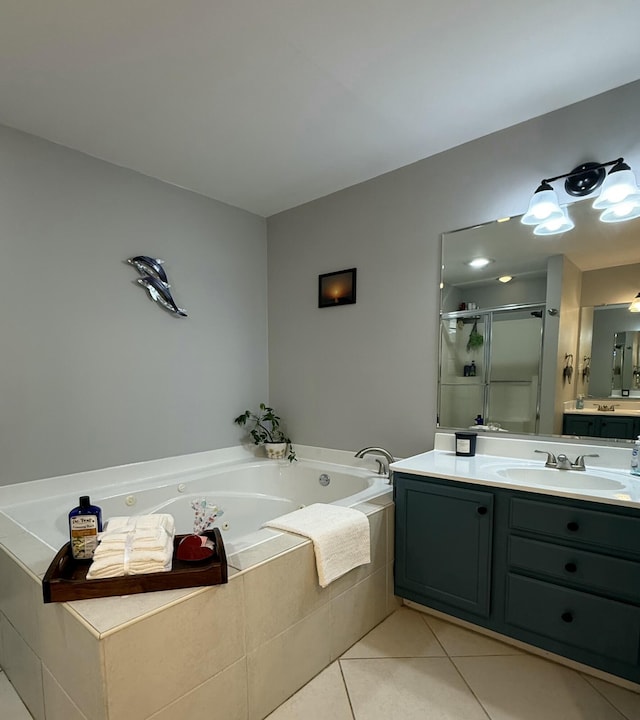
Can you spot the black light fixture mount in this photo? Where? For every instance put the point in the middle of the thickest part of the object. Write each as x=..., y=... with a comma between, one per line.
x=585, y=178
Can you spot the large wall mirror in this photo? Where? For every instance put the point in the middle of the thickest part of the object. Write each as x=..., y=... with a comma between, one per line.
x=541, y=340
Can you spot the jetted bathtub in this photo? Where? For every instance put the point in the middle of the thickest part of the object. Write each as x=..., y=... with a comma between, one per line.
x=166, y=654
x=247, y=492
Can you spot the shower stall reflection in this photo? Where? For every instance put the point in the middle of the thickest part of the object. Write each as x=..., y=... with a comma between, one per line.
x=490, y=363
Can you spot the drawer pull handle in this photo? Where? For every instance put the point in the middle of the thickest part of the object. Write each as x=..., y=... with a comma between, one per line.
x=570, y=567
x=573, y=526
x=482, y=510
x=567, y=617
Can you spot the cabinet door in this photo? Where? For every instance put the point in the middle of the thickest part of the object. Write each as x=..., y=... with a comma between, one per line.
x=616, y=427
x=579, y=425
x=443, y=545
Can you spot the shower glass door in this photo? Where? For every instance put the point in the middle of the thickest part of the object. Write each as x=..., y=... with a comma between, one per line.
x=515, y=346
x=490, y=364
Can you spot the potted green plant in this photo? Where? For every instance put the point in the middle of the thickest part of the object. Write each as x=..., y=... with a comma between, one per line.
x=264, y=428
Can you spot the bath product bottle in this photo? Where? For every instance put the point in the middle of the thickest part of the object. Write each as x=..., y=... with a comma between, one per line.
x=472, y=369
x=479, y=420
x=635, y=458
x=580, y=402
x=85, y=522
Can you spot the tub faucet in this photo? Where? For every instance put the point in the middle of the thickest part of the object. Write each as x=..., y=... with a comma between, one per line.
x=382, y=469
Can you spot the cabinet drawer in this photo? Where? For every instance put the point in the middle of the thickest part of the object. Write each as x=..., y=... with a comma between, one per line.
x=600, y=530
x=608, y=628
x=595, y=573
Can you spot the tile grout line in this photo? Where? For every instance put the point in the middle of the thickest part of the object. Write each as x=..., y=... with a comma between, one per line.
x=617, y=709
x=457, y=669
x=423, y=617
x=464, y=680
x=346, y=689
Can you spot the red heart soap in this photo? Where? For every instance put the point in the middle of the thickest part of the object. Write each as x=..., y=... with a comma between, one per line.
x=191, y=549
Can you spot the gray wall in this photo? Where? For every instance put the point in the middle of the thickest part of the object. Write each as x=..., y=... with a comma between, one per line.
x=364, y=374
x=93, y=372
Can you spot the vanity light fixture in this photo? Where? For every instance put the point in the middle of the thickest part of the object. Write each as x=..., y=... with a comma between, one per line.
x=635, y=305
x=555, y=225
x=619, y=198
x=479, y=262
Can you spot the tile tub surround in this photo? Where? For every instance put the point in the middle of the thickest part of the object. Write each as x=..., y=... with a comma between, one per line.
x=241, y=648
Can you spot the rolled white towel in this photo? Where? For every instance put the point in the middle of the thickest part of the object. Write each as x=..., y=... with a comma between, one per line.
x=153, y=539
x=141, y=522
x=103, y=570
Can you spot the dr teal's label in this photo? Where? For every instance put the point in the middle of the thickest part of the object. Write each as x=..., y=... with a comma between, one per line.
x=84, y=536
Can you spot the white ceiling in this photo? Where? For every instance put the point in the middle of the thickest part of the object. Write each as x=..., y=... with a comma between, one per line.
x=266, y=104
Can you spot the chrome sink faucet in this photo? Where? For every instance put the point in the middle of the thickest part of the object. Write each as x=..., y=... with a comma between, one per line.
x=562, y=462
x=382, y=468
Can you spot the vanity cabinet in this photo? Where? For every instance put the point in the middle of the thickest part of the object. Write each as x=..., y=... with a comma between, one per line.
x=459, y=523
x=557, y=573
x=625, y=427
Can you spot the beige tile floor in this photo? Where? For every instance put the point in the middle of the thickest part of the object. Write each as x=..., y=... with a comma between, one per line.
x=414, y=666
x=11, y=707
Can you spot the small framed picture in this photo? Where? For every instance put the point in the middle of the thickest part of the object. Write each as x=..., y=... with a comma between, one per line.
x=337, y=288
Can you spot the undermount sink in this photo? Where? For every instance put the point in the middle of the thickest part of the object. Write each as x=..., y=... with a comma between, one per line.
x=548, y=477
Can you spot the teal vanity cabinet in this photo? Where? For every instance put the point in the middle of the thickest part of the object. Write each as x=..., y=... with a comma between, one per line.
x=625, y=427
x=557, y=573
x=457, y=523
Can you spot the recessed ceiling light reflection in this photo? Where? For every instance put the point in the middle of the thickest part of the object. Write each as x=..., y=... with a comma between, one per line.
x=479, y=262
x=504, y=219
x=505, y=278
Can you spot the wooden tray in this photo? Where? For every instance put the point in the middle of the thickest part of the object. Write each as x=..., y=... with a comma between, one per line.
x=66, y=578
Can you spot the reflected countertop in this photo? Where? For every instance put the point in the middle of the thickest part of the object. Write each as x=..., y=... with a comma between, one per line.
x=624, y=412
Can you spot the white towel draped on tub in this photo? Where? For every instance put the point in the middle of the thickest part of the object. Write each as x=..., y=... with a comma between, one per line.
x=340, y=537
x=134, y=546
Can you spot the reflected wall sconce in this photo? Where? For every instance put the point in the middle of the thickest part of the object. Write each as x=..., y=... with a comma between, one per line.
x=635, y=304
x=619, y=198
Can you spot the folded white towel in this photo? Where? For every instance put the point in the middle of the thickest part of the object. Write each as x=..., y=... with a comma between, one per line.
x=131, y=559
x=340, y=537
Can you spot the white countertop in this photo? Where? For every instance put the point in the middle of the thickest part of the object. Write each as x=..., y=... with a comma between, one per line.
x=493, y=470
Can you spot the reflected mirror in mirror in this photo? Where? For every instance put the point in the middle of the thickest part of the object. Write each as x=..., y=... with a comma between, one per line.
x=540, y=339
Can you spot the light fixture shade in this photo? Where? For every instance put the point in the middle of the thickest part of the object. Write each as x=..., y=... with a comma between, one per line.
x=635, y=305
x=626, y=210
x=555, y=226
x=544, y=206
x=619, y=184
